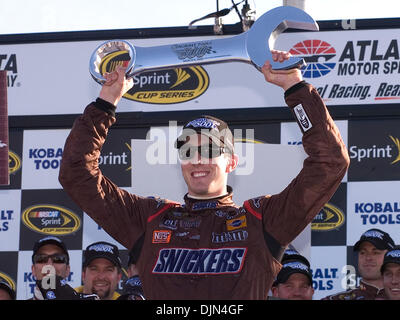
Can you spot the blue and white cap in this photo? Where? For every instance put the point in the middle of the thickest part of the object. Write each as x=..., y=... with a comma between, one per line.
x=380, y=239
x=216, y=129
x=292, y=254
x=104, y=250
x=392, y=256
x=291, y=267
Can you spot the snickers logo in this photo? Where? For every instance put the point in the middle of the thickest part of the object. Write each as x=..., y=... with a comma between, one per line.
x=200, y=261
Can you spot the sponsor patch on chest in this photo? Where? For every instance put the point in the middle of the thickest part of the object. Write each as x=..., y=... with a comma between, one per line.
x=237, y=235
x=236, y=223
x=199, y=261
x=161, y=236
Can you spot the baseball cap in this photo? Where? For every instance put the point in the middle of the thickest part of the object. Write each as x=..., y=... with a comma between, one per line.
x=380, y=239
x=392, y=256
x=5, y=286
x=291, y=267
x=292, y=254
x=104, y=250
x=212, y=127
x=50, y=240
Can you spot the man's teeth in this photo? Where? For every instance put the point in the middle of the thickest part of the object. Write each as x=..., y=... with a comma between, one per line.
x=199, y=174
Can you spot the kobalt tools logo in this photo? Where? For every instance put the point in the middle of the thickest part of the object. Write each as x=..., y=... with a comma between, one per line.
x=317, y=54
x=46, y=158
x=51, y=219
x=323, y=278
x=374, y=213
x=6, y=216
x=329, y=218
x=8, y=62
x=163, y=86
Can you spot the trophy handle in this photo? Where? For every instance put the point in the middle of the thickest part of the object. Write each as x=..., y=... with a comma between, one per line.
x=266, y=29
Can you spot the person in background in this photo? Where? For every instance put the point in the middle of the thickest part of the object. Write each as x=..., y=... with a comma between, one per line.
x=371, y=249
x=391, y=274
x=294, y=280
x=50, y=257
x=101, y=271
x=6, y=292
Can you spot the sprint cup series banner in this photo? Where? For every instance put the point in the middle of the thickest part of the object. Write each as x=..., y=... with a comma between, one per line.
x=347, y=67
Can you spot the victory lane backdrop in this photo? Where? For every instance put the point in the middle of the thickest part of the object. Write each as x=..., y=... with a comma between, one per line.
x=33, y=213
x=34, y=204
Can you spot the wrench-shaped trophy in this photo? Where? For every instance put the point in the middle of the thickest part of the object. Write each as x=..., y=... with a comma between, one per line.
x=253, y=46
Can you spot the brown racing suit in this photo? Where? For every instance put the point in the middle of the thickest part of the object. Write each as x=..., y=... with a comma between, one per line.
x=207, y=249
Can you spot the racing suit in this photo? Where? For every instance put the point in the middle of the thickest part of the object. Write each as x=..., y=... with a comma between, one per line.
x=207, y=249
x=364, y=292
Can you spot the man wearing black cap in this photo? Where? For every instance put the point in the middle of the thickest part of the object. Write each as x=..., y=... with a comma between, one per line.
x=371, y=249
x=6, y=291
x=101, y=271
x=391, y=274
x=294, y=280
x=208, y=247
x=50, y=256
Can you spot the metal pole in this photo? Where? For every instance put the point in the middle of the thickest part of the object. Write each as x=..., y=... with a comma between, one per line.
x=4, y=171
x=301, y=4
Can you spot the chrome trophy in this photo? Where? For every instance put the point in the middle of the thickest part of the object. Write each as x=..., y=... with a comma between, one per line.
x=253, y=46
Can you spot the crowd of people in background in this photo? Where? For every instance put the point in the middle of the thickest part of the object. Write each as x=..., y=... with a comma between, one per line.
x=378, y=266
x=102, y=270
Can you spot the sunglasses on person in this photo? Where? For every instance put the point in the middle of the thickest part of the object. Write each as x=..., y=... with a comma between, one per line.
x=55, y=258
x=206, y=151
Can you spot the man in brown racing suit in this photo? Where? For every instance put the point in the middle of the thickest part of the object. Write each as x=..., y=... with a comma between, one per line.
x=208, y=247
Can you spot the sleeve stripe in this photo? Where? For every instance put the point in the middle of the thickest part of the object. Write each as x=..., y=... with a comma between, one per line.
x=251, y=210
x=167, y=206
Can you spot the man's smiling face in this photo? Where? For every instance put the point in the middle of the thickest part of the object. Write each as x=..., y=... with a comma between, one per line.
x=391, y=281
x=206, y=177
